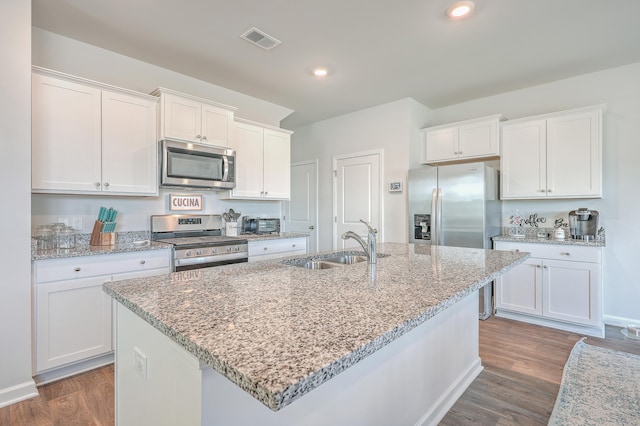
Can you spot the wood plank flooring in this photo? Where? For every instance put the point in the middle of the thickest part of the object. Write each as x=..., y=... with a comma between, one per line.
x=523, y=369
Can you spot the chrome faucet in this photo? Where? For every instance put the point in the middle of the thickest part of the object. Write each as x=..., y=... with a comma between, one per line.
x=370, y=247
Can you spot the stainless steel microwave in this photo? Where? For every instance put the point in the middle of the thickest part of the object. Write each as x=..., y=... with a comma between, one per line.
x=195, y=165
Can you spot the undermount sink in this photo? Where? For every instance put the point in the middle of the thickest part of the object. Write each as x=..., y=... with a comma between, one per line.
x=315, y=264
x=348, y=259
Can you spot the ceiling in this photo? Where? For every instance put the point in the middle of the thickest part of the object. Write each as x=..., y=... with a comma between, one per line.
x=377, y=50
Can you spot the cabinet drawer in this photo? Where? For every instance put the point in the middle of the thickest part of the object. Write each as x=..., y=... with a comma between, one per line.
x=555, y=251
x=259, y=248
x=89, y=266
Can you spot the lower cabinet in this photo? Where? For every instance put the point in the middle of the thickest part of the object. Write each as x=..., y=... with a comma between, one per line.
x=559, y=286
x=72, y=315
x=273, y=249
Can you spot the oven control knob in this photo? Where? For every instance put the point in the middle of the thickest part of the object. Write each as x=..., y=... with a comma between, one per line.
x=198, y=252
x=229, y=249
x=214, y=251
x=236, y=249
x=188, y=254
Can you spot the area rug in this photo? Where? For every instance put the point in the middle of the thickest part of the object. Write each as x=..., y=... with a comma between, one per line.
x=599, y=387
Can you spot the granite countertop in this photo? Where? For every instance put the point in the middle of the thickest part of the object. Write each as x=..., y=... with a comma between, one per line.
x=126, y=242
x=549, y=240
x=278, y=331
x=279, y=236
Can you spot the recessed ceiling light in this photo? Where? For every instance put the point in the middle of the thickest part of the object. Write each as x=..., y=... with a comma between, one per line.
x=320, y=72
x=460, y=9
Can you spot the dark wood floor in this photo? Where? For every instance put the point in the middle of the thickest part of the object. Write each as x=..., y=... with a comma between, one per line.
x=523, y=369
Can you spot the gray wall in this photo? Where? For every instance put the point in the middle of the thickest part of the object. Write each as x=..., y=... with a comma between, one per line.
x=15, y=187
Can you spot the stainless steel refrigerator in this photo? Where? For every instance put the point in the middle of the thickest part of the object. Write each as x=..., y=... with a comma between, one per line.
x=456, y=205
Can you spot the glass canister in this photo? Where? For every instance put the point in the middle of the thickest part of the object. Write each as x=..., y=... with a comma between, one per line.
x=56, y=228
x=66, y=238
x=44, y=238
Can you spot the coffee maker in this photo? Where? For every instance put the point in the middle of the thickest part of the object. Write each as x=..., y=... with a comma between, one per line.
x=583, y=224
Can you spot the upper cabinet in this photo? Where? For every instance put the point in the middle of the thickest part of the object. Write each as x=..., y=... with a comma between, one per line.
x=263, y=162
x=465, y=140
x=92, y=138
x=194, y=119
x=553, y=156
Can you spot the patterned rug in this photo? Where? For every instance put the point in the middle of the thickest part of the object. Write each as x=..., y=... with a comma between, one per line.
x=599, y=387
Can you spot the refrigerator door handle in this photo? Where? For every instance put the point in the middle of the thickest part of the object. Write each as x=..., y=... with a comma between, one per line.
x=435, y=234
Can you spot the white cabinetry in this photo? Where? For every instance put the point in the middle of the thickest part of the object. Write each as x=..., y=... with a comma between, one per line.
x=194, y=119
x=273, y=249
x=91, y=138
x=559, y=286
x=263, y=162
x=72, y=315
x=553, y=156
x=470, y=139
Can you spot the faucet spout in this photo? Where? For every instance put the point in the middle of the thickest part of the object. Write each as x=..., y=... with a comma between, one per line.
x=370, y=246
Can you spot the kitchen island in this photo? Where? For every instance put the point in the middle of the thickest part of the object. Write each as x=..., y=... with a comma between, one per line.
x=271, y=343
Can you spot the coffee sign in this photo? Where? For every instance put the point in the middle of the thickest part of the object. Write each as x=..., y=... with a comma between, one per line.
x=185, y=202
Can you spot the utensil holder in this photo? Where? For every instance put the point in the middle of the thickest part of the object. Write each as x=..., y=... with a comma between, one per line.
x=99, y=238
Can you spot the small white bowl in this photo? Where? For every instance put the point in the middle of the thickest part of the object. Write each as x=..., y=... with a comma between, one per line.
x=141, y=243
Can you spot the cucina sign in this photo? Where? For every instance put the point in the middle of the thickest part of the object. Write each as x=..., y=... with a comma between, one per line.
x=185, y=202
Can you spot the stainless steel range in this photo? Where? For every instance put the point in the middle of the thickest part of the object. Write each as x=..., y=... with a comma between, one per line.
x=198, y=241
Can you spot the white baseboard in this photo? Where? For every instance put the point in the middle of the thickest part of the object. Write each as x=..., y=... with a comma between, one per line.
x=18, y=393
x=449, y=398
x=620, y=321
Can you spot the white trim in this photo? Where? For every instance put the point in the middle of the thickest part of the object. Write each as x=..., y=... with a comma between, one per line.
x=619, y=321
x=17, y=393
x=334, y=166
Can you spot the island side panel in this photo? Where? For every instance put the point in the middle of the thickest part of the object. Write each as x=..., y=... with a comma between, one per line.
x=157, y=382
x=413, y=380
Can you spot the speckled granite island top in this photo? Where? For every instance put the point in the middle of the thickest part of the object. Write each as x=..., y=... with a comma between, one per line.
x=279, y=331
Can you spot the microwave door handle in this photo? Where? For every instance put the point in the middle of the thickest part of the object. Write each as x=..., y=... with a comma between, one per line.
x=225, y=168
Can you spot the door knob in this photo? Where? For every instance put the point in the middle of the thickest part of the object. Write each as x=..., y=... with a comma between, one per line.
x=312, y=227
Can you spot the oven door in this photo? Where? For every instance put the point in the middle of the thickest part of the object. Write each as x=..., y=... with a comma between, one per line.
x=186, y=266
x=182, y=263
x=197, y=166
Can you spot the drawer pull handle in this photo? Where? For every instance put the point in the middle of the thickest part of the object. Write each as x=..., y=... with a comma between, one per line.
x=565, y=253
x=142, y=262
x=77, y=269
x=545, y=267
x=266, y=248
x=516, y=250
x=293, y=245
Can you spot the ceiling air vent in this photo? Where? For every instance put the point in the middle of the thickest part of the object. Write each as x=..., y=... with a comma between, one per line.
x=260, y=38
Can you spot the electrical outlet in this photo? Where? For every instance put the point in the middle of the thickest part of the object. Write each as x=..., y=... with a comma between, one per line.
x=140, y=362
x=76, y=223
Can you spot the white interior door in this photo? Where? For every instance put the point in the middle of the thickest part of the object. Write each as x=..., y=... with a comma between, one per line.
x=357, y=186
x=301, y=211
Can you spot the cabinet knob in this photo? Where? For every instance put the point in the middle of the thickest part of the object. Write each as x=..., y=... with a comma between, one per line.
x=459, y=152
x=548, y=190
x=545, y=267
x=265, y=193
x=204, y=138
x=516, y=250
x=198, y=137
x=565, y=253
x=312, y=227
x=142, y=262
x=293, y=245
x=542, y=190
x=265, y=249
x=77, y=269
x=106, y=184
x=97, y=184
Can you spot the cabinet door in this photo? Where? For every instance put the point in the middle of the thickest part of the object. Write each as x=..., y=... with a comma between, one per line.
x=478, y=139
x=65, y=138
x=571, y=291
x=574, y=155
x=441, y=144
x=523, y=160
x=217, y=124
x=520, y=289
x=277, y=165
x=129, y=153
x=181, y=118
x=249, y=164
x=73, y=321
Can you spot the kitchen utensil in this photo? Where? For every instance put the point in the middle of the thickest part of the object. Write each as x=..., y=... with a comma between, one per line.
x=44, y=238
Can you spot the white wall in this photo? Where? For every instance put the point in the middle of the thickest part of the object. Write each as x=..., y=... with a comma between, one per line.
x=70, y=56
x=619, y=88
x=392, y=127
x=15, y=187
